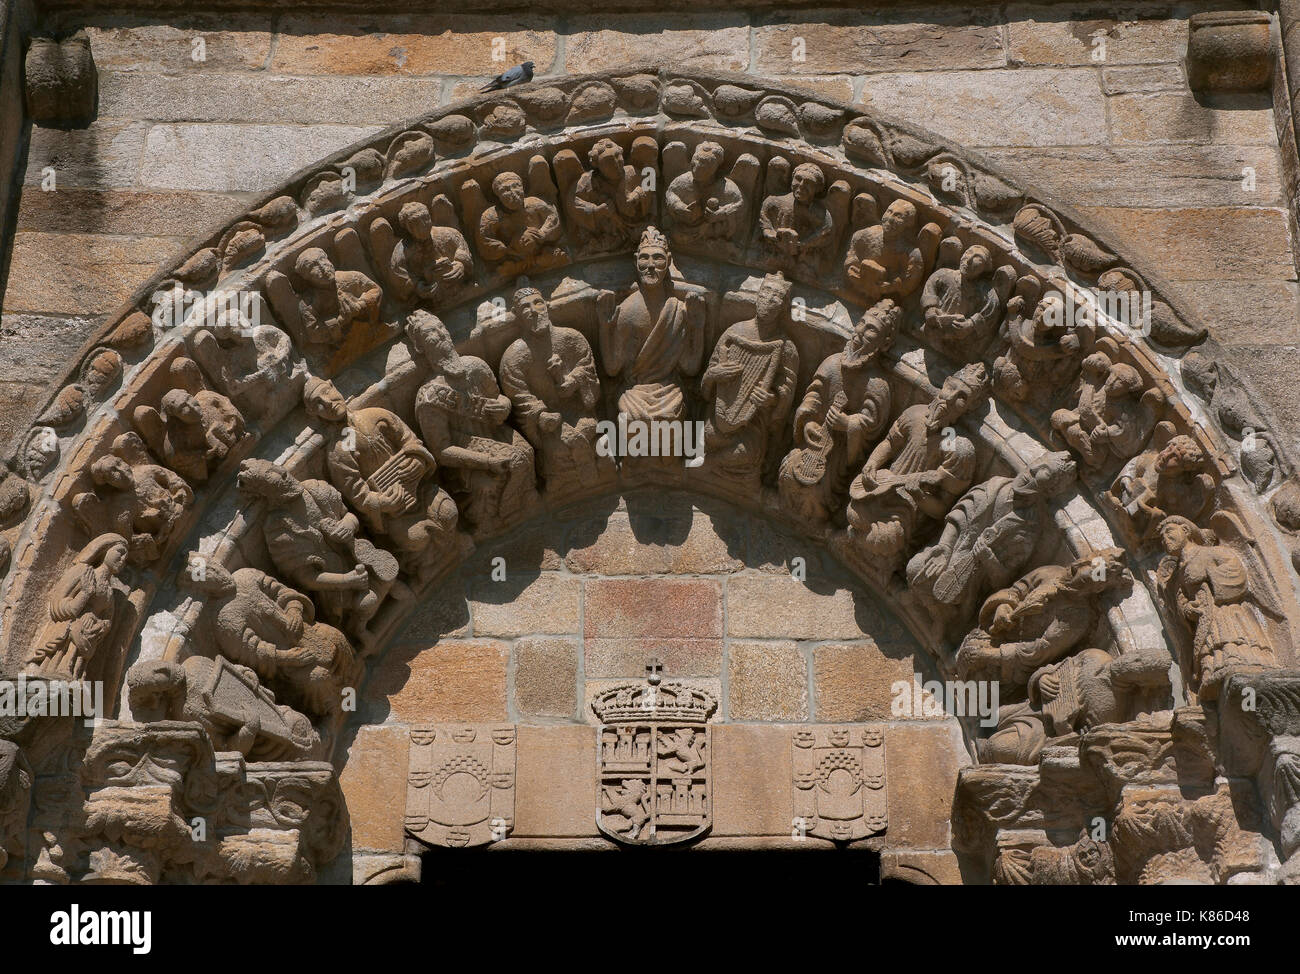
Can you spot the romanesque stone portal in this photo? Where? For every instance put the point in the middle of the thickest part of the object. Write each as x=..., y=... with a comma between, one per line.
x=551, y=302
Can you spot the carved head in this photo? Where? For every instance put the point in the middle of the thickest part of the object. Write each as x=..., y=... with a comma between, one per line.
x=1101, y=570
x=1124, y=381
x=875, y=332
x=416, y=220
x=606, y=157
x=264, y=480
x=315, y=268
x=530, y=309
x=1050, y=313
x=181, y=406
x=112, y=471
x=807, y=182
x=508, y=188
x=324, y=401
x=706, y=161
x=130, y=447
x=975, y=262
x=1201, y=373
x=430, y=338
x=653, y=258
x=1047, y=477
x=1181, y=454
x=961, y=390
x=108, y=550
x=205, y=576
x=155, y=690
x=899, y=221
x=773, y=298
x=1176, y=532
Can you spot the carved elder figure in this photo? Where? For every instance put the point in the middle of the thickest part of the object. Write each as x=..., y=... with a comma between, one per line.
x=253, y=364
x=610, y=204
x=193, y=429
x=988, y=537
x=916, y=472
x=962, y=306
x=550, y=376
x=1217, y=583
x=85, y=607
x=654, y=339
x=1173, y=475
x=1114, y=413
x=462, y=416
x=845, y=406
x=521, y=232
x=797, y=228
x=1043, y=351
x=330, y=301
x=133, y=497
x=704, y=205
x=890, y=259
x=430, y=262
x=314, y=541
x=387, y=475
x=750, y=385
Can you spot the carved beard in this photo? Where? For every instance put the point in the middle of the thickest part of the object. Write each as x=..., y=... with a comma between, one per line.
x=857, y=353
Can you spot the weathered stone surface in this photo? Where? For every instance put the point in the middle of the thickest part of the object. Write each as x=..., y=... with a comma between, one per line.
x=751, y=780
x=652, y=607
x=1147, y=175
x=1131, y=79
x=374, y=787
x=1048, y=106
x=635, y=545
x=136, y=44
x=1244, y=312
x=454, y=680
x=853, y=682
x=923, y=764
x=97, y=272
x=220, y=157
x=1040, y=35
x=546, y=677
x=834, y=41
x=357, y=45
x=253, y=98
x=775, y=606
x=442, y=612
x=1179, y=117
x=522, y=606
x=102, y=156
x=134, y=213
x=766, y=681
x=702, y=42
x=833, y=87
x=555, y=782
x=628, y=657
x=39, y=347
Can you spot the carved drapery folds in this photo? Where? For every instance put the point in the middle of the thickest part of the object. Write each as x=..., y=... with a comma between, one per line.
x=862, y=360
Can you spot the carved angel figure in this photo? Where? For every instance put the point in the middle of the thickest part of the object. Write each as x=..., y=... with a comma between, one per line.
x=253, y=364
x=462, y=416
x=608, y=202
x=889, y=258
x=1040, y=619
x=261, y=623
x=429, y=261
x=315, y=542
x=917, y=471
x=133, y=497
x=1114, y=414
x=520, y=233
x=387, y=475
x=844, y=408
x=750, y=385
x=85, y=606
x=654, y=339
x=988, y=538
x=963, y=305
x=797, y=227
x=705, y=205
x=1216, y=581
x=194, y=429
x=1043, y=350
x=1174, y=475
x=550, y=376
x=329, y=302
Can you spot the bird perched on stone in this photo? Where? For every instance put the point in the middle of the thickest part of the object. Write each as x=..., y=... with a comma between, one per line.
x=517, y=75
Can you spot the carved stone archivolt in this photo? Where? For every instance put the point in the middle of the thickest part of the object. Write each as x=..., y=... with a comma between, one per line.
x=255, y=471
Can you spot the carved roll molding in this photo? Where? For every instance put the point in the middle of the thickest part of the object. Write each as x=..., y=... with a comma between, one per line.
x=251, y=477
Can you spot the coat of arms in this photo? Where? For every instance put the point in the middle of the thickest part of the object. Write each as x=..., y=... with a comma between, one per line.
x=461, y=784
x=839, y=781
x=653, y=763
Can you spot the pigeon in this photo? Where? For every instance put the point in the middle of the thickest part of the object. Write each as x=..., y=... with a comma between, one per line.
x=517, y=75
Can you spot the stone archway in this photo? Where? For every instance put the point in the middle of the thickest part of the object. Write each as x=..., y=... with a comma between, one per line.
x=1081, y=416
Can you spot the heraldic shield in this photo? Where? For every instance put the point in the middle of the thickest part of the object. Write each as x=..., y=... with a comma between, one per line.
x=460, y=789
x=653, y=763
x=839, y=781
